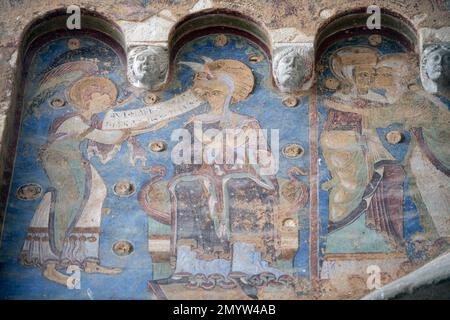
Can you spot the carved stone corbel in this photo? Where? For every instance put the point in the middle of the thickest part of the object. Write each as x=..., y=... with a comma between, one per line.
x=435, y=60
x=147, y=66
x=147, y=54
x=293, y=59
x=293, y=66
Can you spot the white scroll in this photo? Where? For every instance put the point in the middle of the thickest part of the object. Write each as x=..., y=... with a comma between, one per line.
x=153, y=114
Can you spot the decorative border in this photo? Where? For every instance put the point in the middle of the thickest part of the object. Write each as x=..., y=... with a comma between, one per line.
x=365, y=256
x=314, y=219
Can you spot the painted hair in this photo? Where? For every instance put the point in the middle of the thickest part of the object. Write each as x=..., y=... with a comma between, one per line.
x=241, y=75
x=83, y=89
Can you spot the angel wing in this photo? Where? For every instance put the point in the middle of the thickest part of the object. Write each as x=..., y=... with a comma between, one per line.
x=67, y=73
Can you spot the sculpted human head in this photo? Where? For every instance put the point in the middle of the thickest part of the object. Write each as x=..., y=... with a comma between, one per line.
x=289, y=69
x=436, y=62
x=147, y=66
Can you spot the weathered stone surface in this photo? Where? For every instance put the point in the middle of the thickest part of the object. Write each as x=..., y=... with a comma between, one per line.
x=434, y=272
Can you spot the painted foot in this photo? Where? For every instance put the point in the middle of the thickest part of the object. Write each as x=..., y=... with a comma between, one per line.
x=52, y=274
x=93, y=267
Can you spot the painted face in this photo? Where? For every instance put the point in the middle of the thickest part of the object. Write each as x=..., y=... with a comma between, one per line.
x=438, y=65
x=202, y=86
x=99, y=102
x=208, y=88
x=384, y=77
x=289, y=70
x=364, y=76
x=145, y=67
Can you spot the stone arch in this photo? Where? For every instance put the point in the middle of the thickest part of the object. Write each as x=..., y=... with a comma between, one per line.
x=347, y=39
x=43, y=28
x=216, y=21
x=392, y=23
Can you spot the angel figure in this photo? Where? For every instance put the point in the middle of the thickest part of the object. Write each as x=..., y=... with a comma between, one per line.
x=65, y=228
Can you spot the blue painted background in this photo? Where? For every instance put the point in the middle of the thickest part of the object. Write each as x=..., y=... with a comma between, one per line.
x=127, y=220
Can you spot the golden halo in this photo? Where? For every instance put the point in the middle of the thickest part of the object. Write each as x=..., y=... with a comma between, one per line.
x=244, y=80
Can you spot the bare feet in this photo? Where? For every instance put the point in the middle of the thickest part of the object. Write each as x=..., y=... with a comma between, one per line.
x=94, y=267
x=52, y=274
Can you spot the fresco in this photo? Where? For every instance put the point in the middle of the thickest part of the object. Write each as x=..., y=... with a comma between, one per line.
x=219, y=186
x=99, y=207
x=384, y=171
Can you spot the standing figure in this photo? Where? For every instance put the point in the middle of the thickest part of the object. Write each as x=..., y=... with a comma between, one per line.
x=366, y=178
x=428, y=120
x=65, y=228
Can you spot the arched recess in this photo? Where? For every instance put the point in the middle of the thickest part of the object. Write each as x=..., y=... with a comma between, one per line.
x=355, y=21
x=367, y=88
x=48, y=26
x=216, y=21
x=255, y=44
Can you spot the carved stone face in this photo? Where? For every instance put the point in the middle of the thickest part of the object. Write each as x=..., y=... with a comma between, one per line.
x=437, y=66
x=144, y=66
x=289, y=71
x=147, y=67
